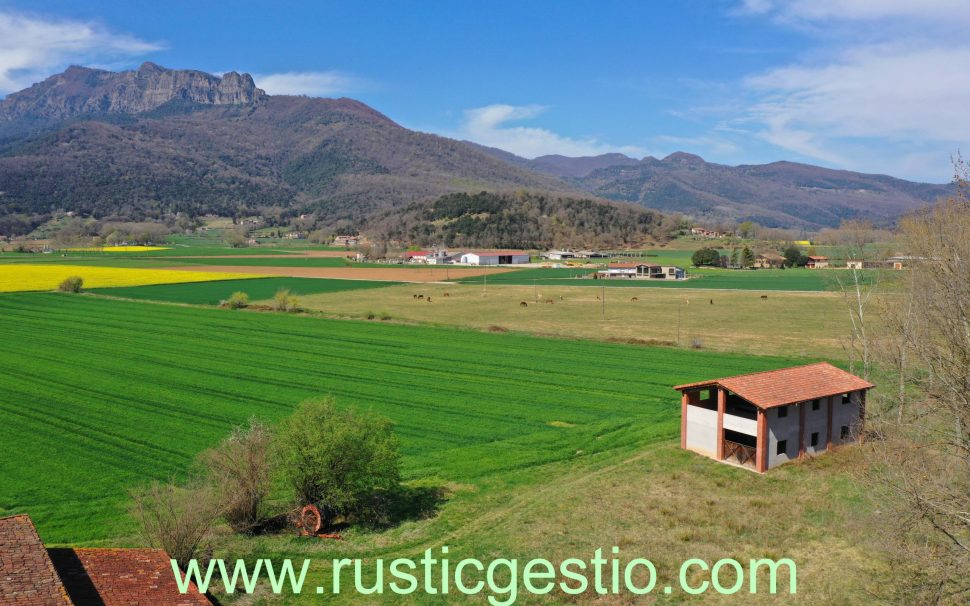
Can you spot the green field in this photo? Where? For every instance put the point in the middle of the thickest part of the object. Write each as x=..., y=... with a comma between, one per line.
x=761, y=279
x=99, y=395
x=211, y=293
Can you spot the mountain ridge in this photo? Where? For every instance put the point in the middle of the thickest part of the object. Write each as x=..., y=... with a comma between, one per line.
x=154, y=141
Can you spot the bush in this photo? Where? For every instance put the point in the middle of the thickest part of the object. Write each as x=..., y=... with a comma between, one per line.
x=237, y=300
x=72, y=284
x=238, y=470
x=284, y=301
x=346, y=462
x=176, y=519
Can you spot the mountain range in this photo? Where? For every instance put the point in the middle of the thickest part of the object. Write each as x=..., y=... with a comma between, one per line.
x=152, y=141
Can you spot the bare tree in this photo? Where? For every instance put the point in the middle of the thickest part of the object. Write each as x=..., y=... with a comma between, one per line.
x=920, y=472
x=239, y=471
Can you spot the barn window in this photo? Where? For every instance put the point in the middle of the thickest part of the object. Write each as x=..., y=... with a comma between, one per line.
x=816, y=404
x=782, y=447
x=815, y=439
x=846, y=398
x=845, y=431
x=782, y=412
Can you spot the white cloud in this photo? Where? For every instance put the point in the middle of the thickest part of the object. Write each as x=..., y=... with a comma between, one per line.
x=33, y=47
x=312, y=84
x=489, y=126
x=883, y=89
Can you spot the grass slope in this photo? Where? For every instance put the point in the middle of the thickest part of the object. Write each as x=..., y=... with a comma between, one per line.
x=211, y=293
x=98, y=395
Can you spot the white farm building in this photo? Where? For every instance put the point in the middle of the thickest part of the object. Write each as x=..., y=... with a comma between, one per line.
x=496, y=257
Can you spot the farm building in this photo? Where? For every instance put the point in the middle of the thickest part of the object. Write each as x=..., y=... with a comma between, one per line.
x=32, y=574
x=705, y=233
x=642, y=271
x=346, y=240
x=817, y=262
x=416, y=256
x=764, y=419
x=496, y=257
x=559, y=255
x=854, y=264
x=769, y=261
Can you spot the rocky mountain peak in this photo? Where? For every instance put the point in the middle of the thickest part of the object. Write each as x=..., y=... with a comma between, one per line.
x=80, y=90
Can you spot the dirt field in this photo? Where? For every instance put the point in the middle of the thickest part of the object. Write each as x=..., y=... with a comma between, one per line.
x=802, y=324
x=429, y=273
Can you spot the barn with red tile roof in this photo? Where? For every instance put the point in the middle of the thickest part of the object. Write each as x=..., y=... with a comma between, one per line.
x=764, y=419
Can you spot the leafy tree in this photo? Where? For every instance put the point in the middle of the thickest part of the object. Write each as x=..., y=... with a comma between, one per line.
x=237, y=300
x=794, y=257
x=747, y=257
x=734, y=257
x=746, y=229
x=71, y=284
x=706, y=256
x=346, y=462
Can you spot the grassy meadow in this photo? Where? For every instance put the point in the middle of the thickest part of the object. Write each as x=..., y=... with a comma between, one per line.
x=785, y=323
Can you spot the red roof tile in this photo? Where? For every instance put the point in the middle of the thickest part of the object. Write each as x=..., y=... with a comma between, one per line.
x=120, y=577
x=27, y=576
x=788, y=385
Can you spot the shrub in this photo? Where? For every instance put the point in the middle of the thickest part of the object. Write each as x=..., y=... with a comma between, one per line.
x=176, y=519
x=237, y=300
x=283, y=300
x=346, y=462
x=238, y=469
x=71, y=284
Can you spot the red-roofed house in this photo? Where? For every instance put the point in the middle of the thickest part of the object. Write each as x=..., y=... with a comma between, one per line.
x=817, y=262
x=764, y=419
x=31, y=575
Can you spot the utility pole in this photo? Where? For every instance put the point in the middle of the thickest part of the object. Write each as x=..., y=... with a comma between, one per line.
x=604, y=301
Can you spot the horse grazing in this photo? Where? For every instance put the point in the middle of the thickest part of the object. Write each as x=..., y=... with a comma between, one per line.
x=447, y=295
x=549, y=301
x=764, y=297
x=523, y=304
x=428, y=299
x=635, y=299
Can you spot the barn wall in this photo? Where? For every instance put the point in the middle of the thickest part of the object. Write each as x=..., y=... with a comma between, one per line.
x=782, y=428
x=702, y=430
x=847, y=415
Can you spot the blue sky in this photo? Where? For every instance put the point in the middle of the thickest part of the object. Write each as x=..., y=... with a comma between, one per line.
x=870, y=85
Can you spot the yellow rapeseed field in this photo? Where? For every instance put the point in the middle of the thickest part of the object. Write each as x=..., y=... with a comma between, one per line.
x=24, y=276
x=118, y=249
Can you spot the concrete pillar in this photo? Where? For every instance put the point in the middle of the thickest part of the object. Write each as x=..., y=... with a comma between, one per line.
x=801, y=428
x=828, y=431
x=761, y=451
x=721, y=405
x=683, y=419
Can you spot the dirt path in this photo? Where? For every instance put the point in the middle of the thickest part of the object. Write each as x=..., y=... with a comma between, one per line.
x=403, y=274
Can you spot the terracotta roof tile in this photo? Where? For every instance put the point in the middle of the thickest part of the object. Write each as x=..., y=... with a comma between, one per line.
x=27, y=576
x=121, y=577
x=787, y=385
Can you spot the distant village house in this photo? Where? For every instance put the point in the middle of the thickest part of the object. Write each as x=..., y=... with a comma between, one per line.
x=817, y=262
x=769, y=261
x=764, y=419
